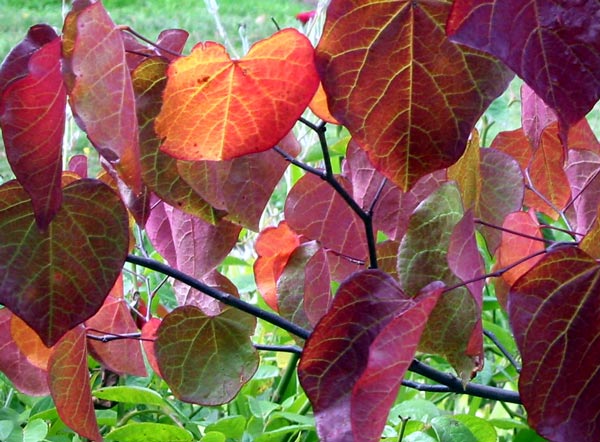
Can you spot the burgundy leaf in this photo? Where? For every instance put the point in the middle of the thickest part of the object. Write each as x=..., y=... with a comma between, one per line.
x=535, y=115
x=553, y=46
x=583, y=170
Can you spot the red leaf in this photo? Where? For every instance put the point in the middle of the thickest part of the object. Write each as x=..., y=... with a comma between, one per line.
x=57, y=279
x=408, y=95
x=315, y=210
x=70, y=384
x=23, y=363
x=337, y=352
x=535, y=115
x=553, y=311
x=274, y=246
x=32, y=117
x=583, y=169
x=553, y=46
x=123, y=356
x=15, y=65
x=149, y=333
x=100, y=88
x=390, y=355
x=216, y=108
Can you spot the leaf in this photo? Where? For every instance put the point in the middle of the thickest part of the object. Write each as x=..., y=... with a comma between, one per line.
x=100, y=88
x=553, y=46
x=149, y=334
x=390, y=355
x=582, y=170
x=304, y=286
x=70, y=386
x=535, y=115
x=318, y=106
x=423, y=259
x=216, y=108
x=159, y=170
x=206, y=359
x=149, y=432
x=242, y=186
x=130, y=394
x=553, y=311
x=32, y=117
x=274, y=245
x=336, y=353
x=314, y=209
x=123, y=356
x=57, y=279
x=408, y=96
x=23, y=370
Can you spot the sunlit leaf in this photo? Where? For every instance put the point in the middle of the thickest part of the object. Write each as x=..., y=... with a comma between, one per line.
x=149, y=432
x=149, y=334
x=56, y=279
x=159, y=170
x=216, y=108
x=408, y=95
x=100, y=89
x=32, y=117
x=206, y=359
x=553, y=312
x=553, y=46
x=23, y=360
x=70, y=385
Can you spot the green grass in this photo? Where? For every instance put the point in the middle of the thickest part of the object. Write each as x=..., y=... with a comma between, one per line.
x=150, y=17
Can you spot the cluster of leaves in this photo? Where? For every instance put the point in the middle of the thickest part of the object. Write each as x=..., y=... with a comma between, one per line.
x=192, y=149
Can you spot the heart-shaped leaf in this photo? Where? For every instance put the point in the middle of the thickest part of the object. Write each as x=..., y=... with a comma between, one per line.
x=553, y=310
x=206, y=359
x=58, y=278
x=216, y=108
x=381, y=65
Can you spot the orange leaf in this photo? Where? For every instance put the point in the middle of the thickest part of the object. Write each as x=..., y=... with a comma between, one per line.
x=216, y=108
x=29, y=343
x=274, y=247
x=320, y=108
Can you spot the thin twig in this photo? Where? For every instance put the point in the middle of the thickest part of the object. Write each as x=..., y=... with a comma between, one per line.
x=513, y=232
x=492, y=337
x=150, y=42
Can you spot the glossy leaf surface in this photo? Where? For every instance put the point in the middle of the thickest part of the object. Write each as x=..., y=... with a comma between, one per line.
x=206, y=359
x=216, y=108
x=385, y=84
x=554, y=46
x=56, y=279
x=558, y=383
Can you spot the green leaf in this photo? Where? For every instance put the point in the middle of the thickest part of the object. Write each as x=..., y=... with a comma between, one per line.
x=213, y=436
x=416, y=409
x=451, y=430
x=35, y=431
x=149, y=432
x=206, y=359
x=130, y=395
x=481, y=429
x=232, y=426
x=6, y=427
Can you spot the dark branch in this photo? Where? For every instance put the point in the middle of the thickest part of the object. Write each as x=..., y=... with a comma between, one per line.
x=282, y=348
x=492, y=337
x=225, y=298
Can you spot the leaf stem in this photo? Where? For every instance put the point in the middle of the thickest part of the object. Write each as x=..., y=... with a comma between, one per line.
x=286, y=378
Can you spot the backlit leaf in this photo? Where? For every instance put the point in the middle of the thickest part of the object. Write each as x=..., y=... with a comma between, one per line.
x=32, y=117
x=23, y=363
x=408, y=95
x=216, y=108
x=337, y=352
x=274, y=246
x=553, y=46
x=100, y=89
x=553, y=311
x=535, y=115
x=583, y=169
x=70, y=384
x=56, y=279
x=206, y=359
x=149, y=331
x=390, y=355
x=159, y=170
x=149, y=432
